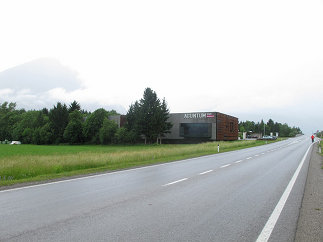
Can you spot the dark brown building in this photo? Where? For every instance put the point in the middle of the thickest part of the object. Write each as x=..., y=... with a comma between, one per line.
x=196, y=127
x=202, y=126
x=227, y=127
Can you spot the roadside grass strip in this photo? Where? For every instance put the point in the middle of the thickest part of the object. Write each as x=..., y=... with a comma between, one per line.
x=31, y=163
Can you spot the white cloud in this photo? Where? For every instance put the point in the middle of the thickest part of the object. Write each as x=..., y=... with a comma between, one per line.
x=228, y=56
x=6, y=92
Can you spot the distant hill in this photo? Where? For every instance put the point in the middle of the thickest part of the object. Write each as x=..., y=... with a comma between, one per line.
x=39, y=76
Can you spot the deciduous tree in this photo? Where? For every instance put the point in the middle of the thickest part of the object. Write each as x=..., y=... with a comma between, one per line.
x=93, y=125
x=74, y=130
x=107, y=131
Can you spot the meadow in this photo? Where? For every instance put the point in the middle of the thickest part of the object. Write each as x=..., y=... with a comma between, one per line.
x=29, y=163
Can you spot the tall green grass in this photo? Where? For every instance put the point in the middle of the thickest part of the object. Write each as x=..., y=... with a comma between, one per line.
x=23, y=163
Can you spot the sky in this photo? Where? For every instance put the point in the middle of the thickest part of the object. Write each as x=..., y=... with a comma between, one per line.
x=250, y=59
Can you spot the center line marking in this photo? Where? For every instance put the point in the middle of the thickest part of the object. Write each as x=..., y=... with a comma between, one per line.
x=171, y=183
x=238, y=161
x=202, y=173
x=256, y=155
x=248, y=158
x=225, y=165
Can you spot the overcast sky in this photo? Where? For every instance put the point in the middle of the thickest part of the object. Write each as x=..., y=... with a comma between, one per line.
x=250, y=59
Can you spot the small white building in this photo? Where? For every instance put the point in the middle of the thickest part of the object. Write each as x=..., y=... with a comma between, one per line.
x=15, y=143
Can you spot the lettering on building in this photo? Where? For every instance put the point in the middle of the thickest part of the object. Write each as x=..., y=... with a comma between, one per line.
x=198, y=115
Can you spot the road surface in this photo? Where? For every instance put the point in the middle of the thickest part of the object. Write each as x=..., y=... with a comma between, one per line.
x=229, y=196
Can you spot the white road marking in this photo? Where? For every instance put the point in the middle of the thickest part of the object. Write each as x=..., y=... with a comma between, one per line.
x=248, y=158
x=269, y=227
x=225, y=166
x=263, y=153
x=238, y=161
x=171, y=183
x=205, y=172
x=256, y=155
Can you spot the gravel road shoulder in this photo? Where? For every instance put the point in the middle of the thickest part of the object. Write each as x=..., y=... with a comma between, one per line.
x=310, y=222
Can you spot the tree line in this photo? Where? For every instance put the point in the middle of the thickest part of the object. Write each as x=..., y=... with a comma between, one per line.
x=270, y=127
x=319, y=134
x=146, y=118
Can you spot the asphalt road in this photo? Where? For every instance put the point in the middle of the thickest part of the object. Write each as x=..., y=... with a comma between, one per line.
x=223, y=197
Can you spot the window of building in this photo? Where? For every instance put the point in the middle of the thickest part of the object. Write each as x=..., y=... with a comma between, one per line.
x=196, y=130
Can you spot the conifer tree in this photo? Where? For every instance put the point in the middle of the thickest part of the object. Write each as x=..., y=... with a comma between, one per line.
x=149, y=116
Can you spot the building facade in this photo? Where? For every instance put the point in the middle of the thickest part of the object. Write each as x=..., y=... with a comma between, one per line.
x=196, y=127
x=201, y=126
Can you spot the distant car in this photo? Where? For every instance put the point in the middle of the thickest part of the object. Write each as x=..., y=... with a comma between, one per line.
x=268, y=137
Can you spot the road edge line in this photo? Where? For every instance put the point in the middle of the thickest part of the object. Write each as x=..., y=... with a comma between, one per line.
x=269, y=226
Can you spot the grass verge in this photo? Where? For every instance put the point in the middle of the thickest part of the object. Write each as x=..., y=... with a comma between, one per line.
x=30, y=163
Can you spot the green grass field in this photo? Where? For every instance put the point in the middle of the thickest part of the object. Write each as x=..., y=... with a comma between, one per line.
x=25, y=163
